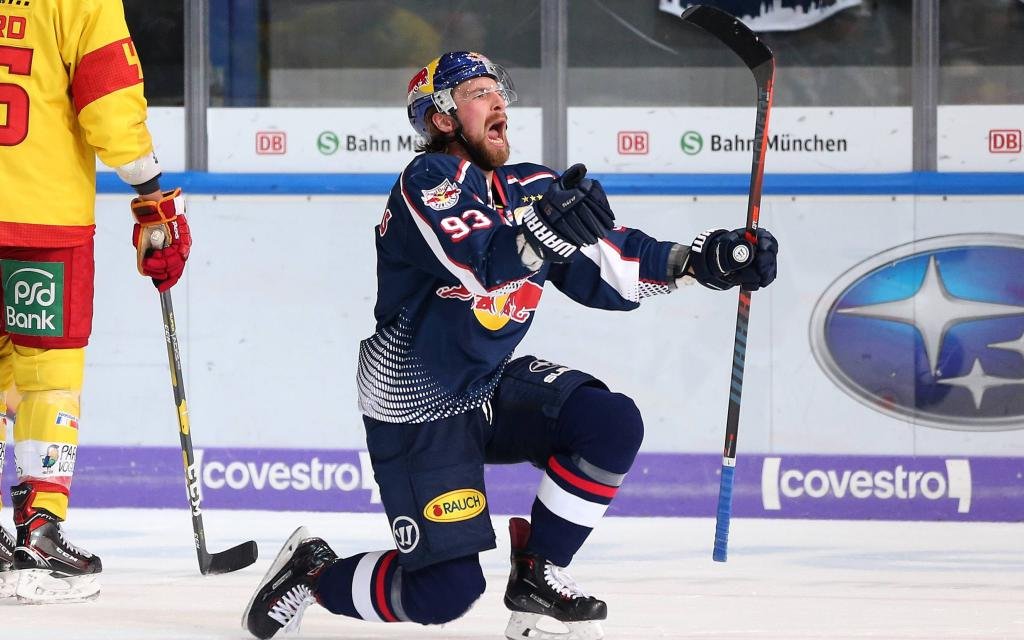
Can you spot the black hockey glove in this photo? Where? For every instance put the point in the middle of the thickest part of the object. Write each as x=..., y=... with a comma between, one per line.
x=577, y=207
x=720, y=259
x=573, y=213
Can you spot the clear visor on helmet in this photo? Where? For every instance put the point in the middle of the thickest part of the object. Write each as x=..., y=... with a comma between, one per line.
x=447, y=100
x=468, y=94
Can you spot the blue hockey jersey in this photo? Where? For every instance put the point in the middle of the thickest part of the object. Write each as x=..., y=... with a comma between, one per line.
x=453, y=296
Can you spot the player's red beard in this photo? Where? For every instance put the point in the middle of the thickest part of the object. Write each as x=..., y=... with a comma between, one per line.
x=485, y=153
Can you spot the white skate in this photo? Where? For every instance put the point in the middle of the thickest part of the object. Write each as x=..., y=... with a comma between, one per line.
x=39, y=586
x=539, y=627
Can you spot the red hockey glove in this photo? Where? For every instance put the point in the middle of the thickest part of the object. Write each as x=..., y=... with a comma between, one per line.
x=164, y=263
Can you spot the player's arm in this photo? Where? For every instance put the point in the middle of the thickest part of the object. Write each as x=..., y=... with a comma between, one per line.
x=616, y=266
x=453, y=230
x=629, y=265
x=107, y=91
x=617, y=272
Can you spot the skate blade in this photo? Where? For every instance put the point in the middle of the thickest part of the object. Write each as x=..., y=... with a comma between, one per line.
x=282, y=558
x=535, y=626
x=39, y=586
x=8, y=583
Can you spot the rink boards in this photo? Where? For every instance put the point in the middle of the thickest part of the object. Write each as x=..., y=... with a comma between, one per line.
x=884, y=378
x=660, y=484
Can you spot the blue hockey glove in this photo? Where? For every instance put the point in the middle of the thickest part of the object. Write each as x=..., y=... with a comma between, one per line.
x=720, y=260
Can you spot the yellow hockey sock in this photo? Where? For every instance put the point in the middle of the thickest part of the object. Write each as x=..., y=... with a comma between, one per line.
x=46, y=429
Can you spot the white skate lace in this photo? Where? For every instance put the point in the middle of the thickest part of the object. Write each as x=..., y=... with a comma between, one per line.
x=67, y=543
x=288, y=610
x=560, y=580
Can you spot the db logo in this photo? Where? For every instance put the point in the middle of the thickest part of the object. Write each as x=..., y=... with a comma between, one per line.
x=270, y=143
x=633, y=143
x=1004, y=141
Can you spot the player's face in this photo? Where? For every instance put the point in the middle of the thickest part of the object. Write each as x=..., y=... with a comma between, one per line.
x=481, y=110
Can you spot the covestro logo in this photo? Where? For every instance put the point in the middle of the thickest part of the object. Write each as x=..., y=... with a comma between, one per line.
x=789, y=485
x=313, y=474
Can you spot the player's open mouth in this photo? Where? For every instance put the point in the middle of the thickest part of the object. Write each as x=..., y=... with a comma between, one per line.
x=496, y=132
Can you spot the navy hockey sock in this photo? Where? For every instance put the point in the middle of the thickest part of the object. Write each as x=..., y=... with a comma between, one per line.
x=372, y=586
x=603, y=431
x=360, y=586
x=443, y=592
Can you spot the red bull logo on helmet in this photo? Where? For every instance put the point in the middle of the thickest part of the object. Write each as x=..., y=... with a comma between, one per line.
x=419, y=79
x=423, y=82
x=515, y=301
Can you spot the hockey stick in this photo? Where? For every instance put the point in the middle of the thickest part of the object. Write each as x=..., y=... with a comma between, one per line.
x=761, y=62
x=237, y=557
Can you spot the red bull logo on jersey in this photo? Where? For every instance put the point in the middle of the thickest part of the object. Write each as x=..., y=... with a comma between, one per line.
x=443, y=196
x=515, y=301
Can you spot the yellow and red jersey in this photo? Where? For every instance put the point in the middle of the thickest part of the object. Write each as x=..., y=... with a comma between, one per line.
x=70, y=88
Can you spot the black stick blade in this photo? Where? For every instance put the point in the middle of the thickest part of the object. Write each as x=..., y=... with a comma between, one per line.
x=732, y=32
x=233, y=559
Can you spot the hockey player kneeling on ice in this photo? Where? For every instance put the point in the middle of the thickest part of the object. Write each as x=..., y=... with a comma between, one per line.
x=464, y=248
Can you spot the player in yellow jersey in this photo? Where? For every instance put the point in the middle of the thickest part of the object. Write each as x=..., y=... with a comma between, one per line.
x=71, y=88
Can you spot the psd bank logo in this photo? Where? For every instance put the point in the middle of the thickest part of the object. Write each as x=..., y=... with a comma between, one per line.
x=931, y=332
x=845, y=481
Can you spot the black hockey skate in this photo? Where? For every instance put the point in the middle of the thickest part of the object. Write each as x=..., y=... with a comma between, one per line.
x=289, y=586
x=536, y=588
x=50, y=569
x=6, y=550
x=8, y=579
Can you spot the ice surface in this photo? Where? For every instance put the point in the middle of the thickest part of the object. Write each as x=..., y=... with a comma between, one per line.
x=785, y=579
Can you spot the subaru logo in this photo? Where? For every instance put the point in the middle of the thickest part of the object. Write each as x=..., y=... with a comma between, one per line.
x=931, y=332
